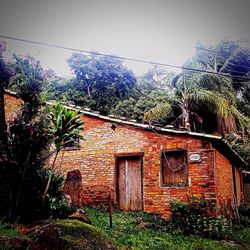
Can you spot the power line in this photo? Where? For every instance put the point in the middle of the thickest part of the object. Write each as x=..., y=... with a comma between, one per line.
x=233, y=64
x=50, y=13
x=122, y=57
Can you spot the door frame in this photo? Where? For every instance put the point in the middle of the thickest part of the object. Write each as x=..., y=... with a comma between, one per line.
x=116, y=176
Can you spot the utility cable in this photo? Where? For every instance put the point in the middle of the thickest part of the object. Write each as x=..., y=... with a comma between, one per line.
x=122, y=57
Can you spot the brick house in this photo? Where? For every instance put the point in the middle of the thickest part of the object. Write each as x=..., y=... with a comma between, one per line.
x=142, y=167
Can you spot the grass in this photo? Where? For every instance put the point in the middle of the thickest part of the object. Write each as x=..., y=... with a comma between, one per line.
x=243, y=236
x=7, y=230
x=143, y=231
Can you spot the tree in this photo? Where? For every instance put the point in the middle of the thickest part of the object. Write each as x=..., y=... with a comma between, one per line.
x=231, y=58
x=65, y=129
x=137, y=105
x=156, y=78
x=221, y=60
x=6, y=72
x=104, y=79
x=28, y=83
x=151, y=88
x=27, y=146
x=67, y=90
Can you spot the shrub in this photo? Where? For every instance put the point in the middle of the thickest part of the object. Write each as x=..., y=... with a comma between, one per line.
x=244, y=210
x=244, y=213
x=216, y=228
x=55, y=204
x=58, y=207
x=26, y=149
x=192, y=218
x=28, y=145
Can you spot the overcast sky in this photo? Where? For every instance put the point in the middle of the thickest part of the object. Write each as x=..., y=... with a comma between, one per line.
x=162, y=31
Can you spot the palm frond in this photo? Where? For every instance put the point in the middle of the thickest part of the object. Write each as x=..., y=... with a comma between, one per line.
x=158, y=112
x=242, y=120
x=213, y=100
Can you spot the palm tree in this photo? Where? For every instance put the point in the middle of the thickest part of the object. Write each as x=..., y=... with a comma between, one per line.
x=219, y=93
x=65, y=128
x=228, y=57
x=191, y=102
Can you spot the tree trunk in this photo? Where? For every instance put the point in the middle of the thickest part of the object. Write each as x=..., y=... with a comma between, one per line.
x=21, y=181
x=185, y=118
x=50, y=178
x=185, y=106
x=88, y=90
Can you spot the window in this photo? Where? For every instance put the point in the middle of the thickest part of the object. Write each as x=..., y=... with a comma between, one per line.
x=174, y=167
x=73, y=146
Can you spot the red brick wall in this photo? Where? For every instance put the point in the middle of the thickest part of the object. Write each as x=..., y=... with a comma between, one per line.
x=200, y=175
x=224, y=182
x=12, y=104
x=96, y=161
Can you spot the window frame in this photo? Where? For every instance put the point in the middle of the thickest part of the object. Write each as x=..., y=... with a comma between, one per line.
x=73, y=147
x=162, y=168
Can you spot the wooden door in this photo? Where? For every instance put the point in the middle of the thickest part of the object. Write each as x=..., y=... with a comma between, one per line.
x=130, y=183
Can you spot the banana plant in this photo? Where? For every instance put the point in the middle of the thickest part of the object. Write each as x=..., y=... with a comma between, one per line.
x=65, y=128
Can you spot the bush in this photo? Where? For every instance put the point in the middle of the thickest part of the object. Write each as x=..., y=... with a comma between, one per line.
x=58, y=207
x=244, y=213
x=244, y=210
x=55, y=204
x=192, y=218
x=25, y=151
x=217, y=228
x=27, y=145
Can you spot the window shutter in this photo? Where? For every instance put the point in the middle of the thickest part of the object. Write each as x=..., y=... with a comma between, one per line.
x=174, y=168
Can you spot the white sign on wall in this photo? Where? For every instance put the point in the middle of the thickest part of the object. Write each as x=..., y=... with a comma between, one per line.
x=195, y=157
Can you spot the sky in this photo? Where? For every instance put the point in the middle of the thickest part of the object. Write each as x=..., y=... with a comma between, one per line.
x=164, y=31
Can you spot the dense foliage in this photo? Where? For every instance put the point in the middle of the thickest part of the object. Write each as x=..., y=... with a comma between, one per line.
x=137, y=105
x=152, y=89
x=211, y=102
x=101, y=81
x=23, y=156
x=26, y=148
x=192, y=218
